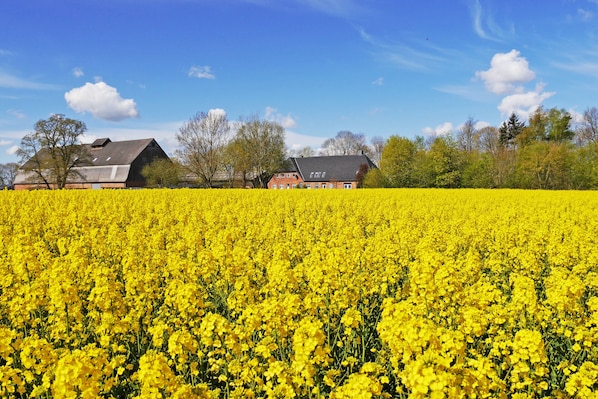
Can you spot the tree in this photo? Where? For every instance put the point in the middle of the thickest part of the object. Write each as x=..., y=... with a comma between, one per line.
x=509, y=130
x=52, y=152
x=545, y=165
x=8, y=172
x=162, y=173
x=302, y=152
x=468, y=138
x=260, y=149
x=377, y=148
x=445, y=162
x=397, y=161
x=203, y=140
x=346, y=143
x=374, y=179
x=587, y=131
x=559, y=125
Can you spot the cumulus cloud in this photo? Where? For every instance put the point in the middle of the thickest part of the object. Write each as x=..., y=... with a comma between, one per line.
x=285, y=121
x=77, y=72
x=440, y=130
x=524, y=104
x=102, y=101
x=217, y=112
x=201, y=72
x=508, y=71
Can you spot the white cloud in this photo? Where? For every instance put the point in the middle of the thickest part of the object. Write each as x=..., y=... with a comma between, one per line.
x=378, y=82
x=12, y=82
x=585, y=15
x=440, y=130
x=102, y=101
x=5, y=142
x=285, y=121
x=12, y=150
x=296, y=141
x=77, y=72
x=17, y=114
x=524, y=104
x=201, y=72
x=507, y=72
x=217, y=112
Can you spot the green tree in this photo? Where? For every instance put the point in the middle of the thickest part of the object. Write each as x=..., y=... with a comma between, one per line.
x=445, y=162
x=203, y=140
x=260, y=149
x=374, y=179
x=51, y=153
x=559, y=125
x=545, y=165
x=509, y=131
x=397, y=161
x=585, y=167
x=162, y=173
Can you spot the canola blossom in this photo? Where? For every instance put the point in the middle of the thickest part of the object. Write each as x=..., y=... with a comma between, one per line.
x=299, y=294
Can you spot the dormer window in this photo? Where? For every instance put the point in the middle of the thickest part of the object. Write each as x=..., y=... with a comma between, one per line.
x=107, y=159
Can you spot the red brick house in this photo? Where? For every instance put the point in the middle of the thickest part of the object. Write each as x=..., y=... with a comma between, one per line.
x=112, y=164
x=325, y=172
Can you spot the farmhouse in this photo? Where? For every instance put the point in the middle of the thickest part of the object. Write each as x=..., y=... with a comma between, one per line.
x=337, y=171
x=111, y=164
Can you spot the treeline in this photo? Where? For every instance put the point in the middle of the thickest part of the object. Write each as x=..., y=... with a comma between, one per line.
x=544, y=153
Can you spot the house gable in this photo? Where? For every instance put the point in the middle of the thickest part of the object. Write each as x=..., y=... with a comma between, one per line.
x=338, y=171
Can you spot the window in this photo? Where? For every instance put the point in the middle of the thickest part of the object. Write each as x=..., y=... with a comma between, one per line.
x=309, y=186
x=274, y=187
x=281, y=186
x=323, y=174
x=294, y=186
x=323, y=185
x=347, y=186
x=311, y=175
x=288, y=186
x=316, y=185
x=317, y=175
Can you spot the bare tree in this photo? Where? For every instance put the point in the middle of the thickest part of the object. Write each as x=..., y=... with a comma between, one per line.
x=53, y=151
x=345, y=143
x=302, y=152
x=377, y=148
x=467, y=137
x=203, y=140
x=8, y=172
x=489, y=139
x=587, y=131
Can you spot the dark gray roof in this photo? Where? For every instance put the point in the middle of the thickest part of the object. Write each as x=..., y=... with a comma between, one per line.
x=116, y=152
x=331, y=168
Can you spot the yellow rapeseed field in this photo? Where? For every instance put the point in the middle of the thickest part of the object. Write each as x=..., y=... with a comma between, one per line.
x=299, y=294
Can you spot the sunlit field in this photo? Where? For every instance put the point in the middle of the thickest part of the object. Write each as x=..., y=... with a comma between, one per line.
x=299, y=293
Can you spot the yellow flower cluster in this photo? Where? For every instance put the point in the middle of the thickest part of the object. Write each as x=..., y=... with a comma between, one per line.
x=299, y=294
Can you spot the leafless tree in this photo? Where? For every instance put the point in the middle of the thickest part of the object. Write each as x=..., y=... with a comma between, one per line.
x=587, y=131
x=345, y=143
x=203, y=140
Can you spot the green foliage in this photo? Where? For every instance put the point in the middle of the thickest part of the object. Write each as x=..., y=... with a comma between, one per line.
x=397, y=162
x=374, y=179
x=162, y=173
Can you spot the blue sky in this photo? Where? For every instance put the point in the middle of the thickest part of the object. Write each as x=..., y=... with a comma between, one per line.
x=141, y=68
